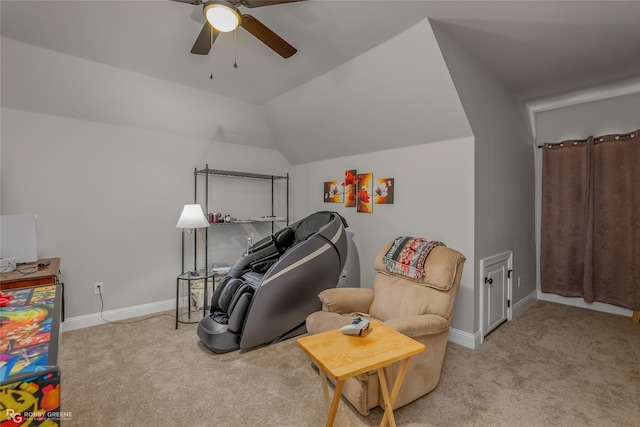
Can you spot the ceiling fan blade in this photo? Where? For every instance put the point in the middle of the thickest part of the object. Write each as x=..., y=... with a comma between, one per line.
x=203, y=43
x=260, y=3
x=268, y=37
x=193, y=2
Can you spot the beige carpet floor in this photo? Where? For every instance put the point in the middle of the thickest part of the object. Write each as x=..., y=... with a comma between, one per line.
x=553, y=366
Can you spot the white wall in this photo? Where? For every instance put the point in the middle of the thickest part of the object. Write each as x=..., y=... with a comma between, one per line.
x=504, y=169
x=600, y=111
x=108, y=198
x=434, y=198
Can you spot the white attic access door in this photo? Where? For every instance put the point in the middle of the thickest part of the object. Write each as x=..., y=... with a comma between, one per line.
x=495, y=297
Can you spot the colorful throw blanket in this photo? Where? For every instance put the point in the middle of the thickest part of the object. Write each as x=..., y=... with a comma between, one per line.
x=407, y=255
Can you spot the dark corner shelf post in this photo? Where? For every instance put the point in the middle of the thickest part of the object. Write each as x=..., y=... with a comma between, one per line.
x=272, y=203
x=206, y=239
x=195, y=235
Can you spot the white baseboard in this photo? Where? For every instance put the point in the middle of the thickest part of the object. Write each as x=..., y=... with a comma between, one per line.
x=581, y=303
x=456, y=336
x=473, y=341
x=94, y=319
x=521, y=306
x=464, y=339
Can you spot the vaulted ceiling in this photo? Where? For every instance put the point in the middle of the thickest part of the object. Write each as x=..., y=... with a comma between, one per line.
x=537, y=49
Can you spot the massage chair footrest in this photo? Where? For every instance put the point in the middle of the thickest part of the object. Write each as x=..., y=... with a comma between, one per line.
x=217, y=337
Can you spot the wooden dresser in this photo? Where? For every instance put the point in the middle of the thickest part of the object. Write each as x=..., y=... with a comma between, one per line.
x=32, y=275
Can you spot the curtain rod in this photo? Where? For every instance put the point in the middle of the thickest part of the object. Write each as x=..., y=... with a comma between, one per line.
x=560, y=143
x=597, y=139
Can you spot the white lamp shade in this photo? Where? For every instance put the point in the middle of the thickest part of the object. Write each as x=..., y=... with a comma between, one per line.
x=221, y=16
x=192, y=217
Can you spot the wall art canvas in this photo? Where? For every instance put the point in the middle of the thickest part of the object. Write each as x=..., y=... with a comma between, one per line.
x=350, y=186
x=365, y=189
x=383, y=191
x=333, y=192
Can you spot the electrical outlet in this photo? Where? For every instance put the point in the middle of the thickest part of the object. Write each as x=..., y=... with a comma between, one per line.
x=519, y=283
x=98, y=288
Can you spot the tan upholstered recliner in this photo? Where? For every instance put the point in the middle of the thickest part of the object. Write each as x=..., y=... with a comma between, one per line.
x=419, y=308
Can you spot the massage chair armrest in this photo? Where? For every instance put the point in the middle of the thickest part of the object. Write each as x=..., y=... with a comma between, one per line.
x=346, y=300
x=415, y=326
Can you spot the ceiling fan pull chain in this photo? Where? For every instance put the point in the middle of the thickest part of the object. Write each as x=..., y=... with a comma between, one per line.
x=235, y=51
x=211, y=56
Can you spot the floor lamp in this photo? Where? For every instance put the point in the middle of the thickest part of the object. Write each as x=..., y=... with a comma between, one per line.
x=191, y=218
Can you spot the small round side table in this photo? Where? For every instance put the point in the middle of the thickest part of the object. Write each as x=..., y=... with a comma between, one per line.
x=192, y=314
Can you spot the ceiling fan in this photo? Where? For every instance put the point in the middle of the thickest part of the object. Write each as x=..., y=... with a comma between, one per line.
x=224, y=16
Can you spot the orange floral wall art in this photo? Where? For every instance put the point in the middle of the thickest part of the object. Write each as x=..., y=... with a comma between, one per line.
x=365, y=190
x=333, y=192
x=350, y=185
x=383, y=191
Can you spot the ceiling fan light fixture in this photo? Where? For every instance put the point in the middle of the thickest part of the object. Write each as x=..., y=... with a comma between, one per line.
x=222, y=16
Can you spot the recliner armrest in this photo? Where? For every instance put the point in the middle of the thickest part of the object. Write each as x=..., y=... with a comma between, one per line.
x=414, y=326
x=346, y=300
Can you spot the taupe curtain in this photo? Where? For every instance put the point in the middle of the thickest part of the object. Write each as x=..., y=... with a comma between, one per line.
x=590, y=224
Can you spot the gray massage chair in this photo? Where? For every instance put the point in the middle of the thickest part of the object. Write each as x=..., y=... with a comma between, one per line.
x=274, y=286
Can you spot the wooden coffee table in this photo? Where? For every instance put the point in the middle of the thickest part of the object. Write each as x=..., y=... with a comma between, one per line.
x=344, y=356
